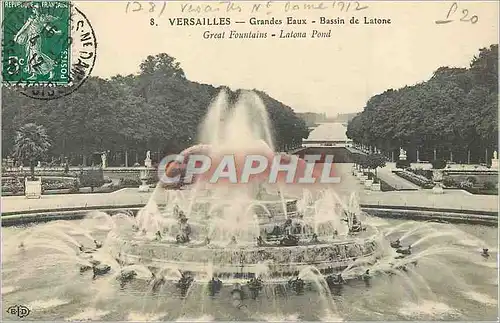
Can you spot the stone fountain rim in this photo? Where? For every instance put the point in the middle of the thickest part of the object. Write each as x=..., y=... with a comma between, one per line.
x=374, y=234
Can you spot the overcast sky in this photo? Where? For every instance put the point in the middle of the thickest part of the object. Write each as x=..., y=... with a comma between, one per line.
x=333, y=75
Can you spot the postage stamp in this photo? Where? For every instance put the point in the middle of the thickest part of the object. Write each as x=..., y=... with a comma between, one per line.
x=36, y=37
x=48, y=48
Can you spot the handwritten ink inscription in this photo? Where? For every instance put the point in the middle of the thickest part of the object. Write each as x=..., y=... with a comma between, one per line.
x=343, y=6
x=464, y=16
x=152, y=7
x=233, y=6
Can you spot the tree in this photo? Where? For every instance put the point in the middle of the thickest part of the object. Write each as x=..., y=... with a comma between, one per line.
x=91, y=178
x=438, y=163
x=31, y=145
x=163, y=63
x=359, y=160
x=158, y=109
x=374, y=161
x=456, y=110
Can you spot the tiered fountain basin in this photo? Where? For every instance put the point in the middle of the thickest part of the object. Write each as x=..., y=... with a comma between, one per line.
x=245, y=261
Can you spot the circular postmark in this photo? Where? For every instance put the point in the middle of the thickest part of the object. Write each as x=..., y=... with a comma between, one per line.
x=49, y=48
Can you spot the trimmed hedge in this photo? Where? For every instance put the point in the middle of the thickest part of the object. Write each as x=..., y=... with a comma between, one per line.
x=415, y=179
x=403, y=164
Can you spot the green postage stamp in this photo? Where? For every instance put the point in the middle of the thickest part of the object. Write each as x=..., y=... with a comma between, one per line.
x=36, y=42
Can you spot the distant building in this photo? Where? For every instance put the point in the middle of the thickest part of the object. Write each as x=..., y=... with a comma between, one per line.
x=345, y=117
x=312, y=118
x=328, y=135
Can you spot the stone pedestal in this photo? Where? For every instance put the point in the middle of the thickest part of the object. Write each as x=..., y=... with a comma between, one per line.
x=359, y=174
x=376, y=187
x=368, y=183
x=494, y=163
x=147, y=163
x=33, y=189
x=438, y=189
x=363, y=178
x=144, y=176
x=437, y=176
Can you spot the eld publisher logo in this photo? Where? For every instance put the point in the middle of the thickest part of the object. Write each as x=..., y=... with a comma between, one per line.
x=19, y=310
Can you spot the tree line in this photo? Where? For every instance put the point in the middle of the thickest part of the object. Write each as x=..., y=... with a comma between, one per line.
x=158, y=109
x=452, y=116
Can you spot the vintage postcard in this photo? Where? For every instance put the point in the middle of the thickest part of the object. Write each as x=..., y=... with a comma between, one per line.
x=275, y=161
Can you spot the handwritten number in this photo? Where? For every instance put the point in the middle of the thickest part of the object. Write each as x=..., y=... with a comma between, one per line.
x=343, y=7
x=138, y=7
x=137, y=4
x=152, y=21
x=465, y=12
x=162, y=8
x=472, y=19
x=359, y=7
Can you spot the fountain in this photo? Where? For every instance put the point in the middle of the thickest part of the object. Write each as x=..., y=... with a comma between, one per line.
x=249, y=246
x=144, y=176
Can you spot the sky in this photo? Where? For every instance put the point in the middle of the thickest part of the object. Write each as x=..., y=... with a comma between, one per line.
x=332, y=75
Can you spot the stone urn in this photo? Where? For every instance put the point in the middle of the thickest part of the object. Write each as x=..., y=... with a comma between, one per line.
x=144, y=176
x=33, y=188
x=437, y=177
x=368, y=183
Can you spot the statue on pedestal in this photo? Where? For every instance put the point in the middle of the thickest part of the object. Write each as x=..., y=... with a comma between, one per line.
x=494, y=161
x=147, y=161
x=402, y=154
x=103, y=160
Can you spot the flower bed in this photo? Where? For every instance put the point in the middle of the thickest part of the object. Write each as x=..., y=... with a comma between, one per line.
x=59, y=184
x=15, y=185
x=12, y=185
x=414, y=178
x=426, y=173
x=40, y=172
x=129, y=182
x=471, y=185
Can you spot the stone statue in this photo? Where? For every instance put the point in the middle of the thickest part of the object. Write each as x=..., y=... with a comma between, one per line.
x=147, y=161
x=402, y=154
x=103, y=160
x=494, y=161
